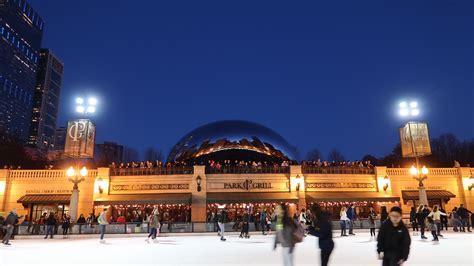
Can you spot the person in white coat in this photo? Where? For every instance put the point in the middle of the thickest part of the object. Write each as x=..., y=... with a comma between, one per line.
x=102, y=220
x=436, y=215
x=343, y=221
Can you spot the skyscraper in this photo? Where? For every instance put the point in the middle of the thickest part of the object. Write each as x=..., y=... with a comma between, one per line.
x=46, y=101
x=60, y=138
x=21, y=31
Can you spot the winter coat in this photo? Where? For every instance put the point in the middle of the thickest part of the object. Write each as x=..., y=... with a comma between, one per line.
x=81, y=220
x=372, y=217
x=351, y=214
x=437, y=215
x=393, y=241
x=323, y=231
x=154, y=221
x=51, y=220
x=222, y=217
x=11, y=219
x=463, y=213
x=284, y=237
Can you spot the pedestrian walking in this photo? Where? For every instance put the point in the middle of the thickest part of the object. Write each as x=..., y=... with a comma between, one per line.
x=413, y=222
x=66, y=224
x=372, y=217
x=343, y=221
x=286, y=236
x=50, y=224
x=9, y=224
x=154, y=226
x=222, y=219
x=436, y=214
x=351, y=216
x=102, y=220
x=393, y=240
x=322, y=228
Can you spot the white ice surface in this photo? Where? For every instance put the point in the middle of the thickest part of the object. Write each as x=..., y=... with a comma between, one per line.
x=453, y=249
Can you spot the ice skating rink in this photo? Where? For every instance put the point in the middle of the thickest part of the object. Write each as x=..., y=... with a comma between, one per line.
x=199, y=249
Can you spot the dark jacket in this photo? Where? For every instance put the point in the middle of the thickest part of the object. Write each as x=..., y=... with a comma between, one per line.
x=51, y=220
x=350, y=213
x=11, y=219
x=463, y=212
x=81, y=220
x=222, y=217
x=413, y=216
x=323, y=230
x=393, y=241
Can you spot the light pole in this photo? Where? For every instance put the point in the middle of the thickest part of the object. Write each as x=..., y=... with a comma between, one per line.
x=420, y=175
x=410, y=110
x=76, y=177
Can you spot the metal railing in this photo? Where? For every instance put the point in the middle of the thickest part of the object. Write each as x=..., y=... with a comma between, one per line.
x=432, y=171
x=338, y=170
x=226, y=169
x=175, y=170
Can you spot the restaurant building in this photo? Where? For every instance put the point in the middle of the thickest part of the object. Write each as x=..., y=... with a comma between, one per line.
x=189, y=194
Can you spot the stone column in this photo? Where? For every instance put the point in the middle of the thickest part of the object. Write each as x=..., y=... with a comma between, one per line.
x=74, y=204
x=295, y=171
x=199, y=199
x=3, y=189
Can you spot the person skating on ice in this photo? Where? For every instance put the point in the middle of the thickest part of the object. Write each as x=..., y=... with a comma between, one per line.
x=245, y=225
x=154, y=225
x=102, y=220
x=393, y=240
x=9, y=224
x=343, y=221
x=433, y=228
x=372, y=217
x=221, y=221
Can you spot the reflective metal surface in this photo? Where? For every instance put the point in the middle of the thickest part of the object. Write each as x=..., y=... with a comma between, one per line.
x=246, y=140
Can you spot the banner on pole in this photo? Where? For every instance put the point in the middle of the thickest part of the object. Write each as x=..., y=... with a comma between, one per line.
x=415, y=140
x=80, y=138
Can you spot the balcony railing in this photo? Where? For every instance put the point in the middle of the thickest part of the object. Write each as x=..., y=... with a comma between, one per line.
x=248, y=170
x=338, y=170
x=175, y=170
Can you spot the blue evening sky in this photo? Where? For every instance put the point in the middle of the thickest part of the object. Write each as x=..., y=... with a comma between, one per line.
x=323, y=74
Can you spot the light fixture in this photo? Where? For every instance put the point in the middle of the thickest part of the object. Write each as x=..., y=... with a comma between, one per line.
x=386, y=180
x=298, y=181
x=83, y=171
x=79, y=100
x=100, y=184
x=471, y=181
x=70, y=172
x=413, y=170
x=86, y=107
x=424, y=170
x=198, y=182
x=408, y=109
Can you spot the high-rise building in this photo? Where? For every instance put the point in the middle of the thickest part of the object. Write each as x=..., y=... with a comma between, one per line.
x=108, y=152
x=46, y=101
x=21, y=31
x=60, y=138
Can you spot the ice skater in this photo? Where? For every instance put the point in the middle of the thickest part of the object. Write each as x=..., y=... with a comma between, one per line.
x=244, y=233
x=372, y=217
x=9, y=224
x=433, y=228
x=66, y=224
x=393, y=241
x=50, y=224
x=221, y=221
x=102, y=220
x=343, y=220
x=154, y=226
x=322, y=228
x=436, y=214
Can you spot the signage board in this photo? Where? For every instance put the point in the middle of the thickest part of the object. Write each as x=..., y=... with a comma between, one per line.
x=80, y=138
x=415, y=140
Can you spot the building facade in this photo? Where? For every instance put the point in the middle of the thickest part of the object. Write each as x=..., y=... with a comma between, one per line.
x=190, y=194
x=60, y=138
x=46, y=101
x=21, y=30
x=108, y=152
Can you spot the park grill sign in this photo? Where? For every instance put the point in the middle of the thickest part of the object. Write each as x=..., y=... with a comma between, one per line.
x=248, y=185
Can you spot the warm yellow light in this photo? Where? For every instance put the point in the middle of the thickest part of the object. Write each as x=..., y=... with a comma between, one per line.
x=424, y=170
x=70, y=172
x=413, y=170
x=2, y=186
x=83, y=171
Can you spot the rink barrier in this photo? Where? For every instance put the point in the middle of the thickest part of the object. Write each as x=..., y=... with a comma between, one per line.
x=144, y=228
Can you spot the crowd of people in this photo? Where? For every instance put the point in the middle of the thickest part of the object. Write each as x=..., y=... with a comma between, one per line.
x=348, y=163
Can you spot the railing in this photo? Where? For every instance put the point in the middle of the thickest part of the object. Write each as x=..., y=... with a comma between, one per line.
x=44, y=174
x=337, y=170
x=115, y=228
x=176, y=170
x=248, y=170
x=432, y=171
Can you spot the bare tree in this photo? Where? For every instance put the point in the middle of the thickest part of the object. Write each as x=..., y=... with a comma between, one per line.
x=130, y=154
x=153, y=154
x=314, y=155
x=335, y=155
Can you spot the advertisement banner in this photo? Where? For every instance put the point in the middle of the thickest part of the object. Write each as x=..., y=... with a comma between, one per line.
x=415, y=140
x=80, y=139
